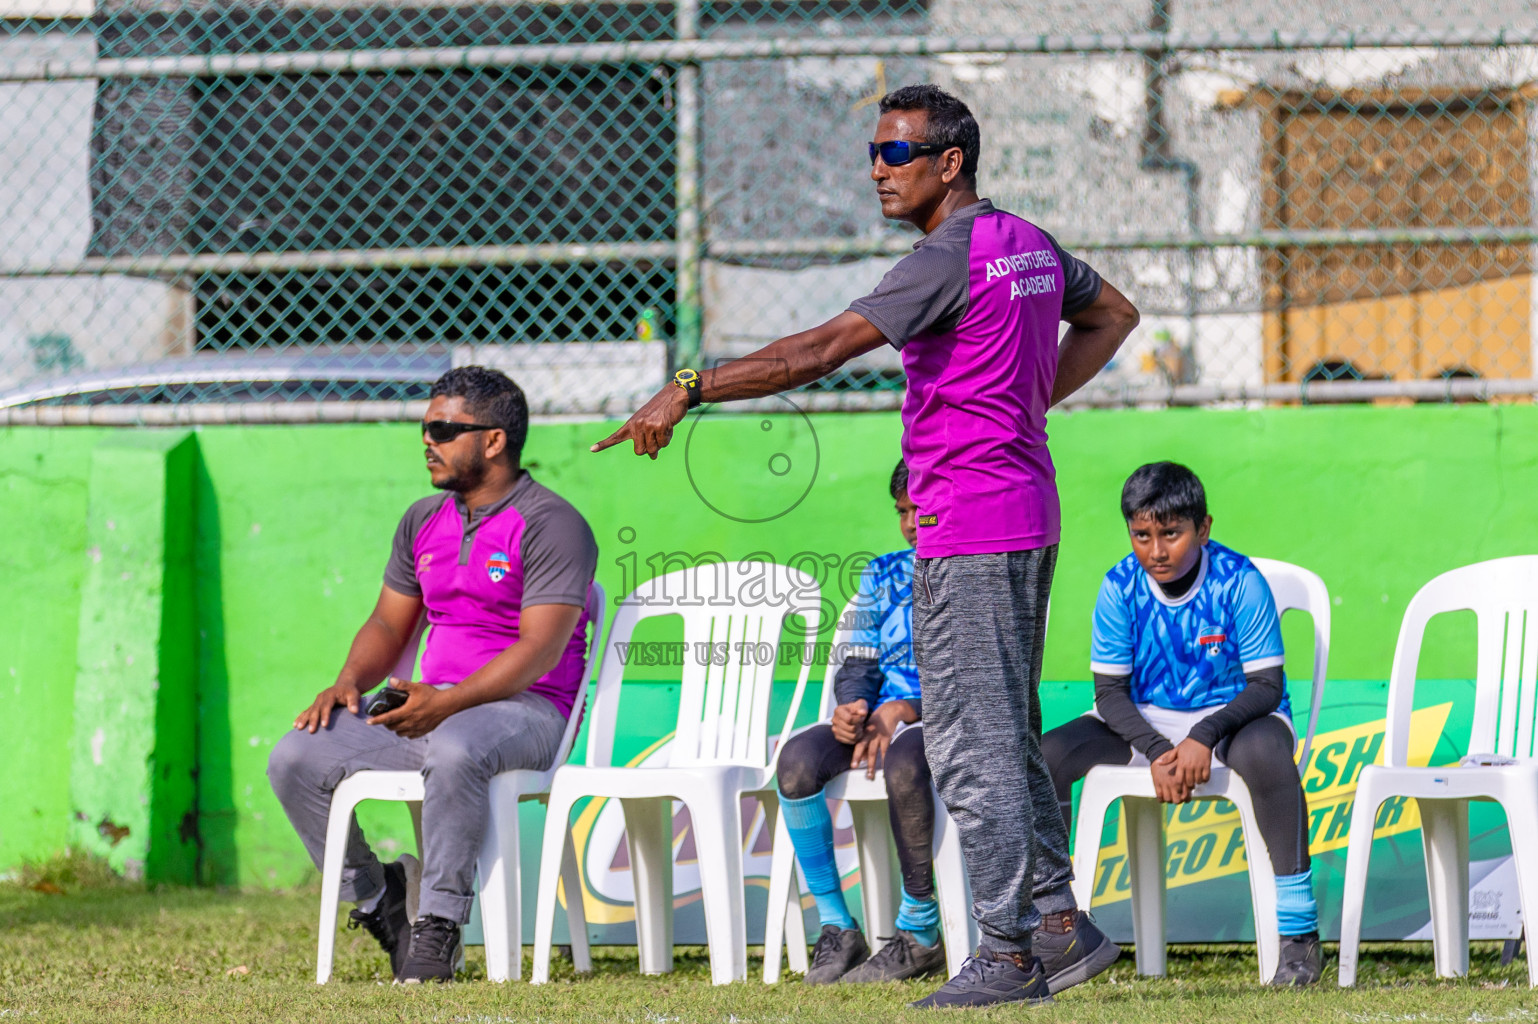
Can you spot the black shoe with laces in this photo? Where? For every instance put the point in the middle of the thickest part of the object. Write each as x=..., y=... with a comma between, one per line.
x=388, y=922
x=1072, y=949
x=838, y=951
x=434, y=951
x=991, y=978
x=901, y=958
x=1300, y=962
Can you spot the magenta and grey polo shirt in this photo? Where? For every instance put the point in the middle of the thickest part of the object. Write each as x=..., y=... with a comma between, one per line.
x=476, y=572
x=975, y=311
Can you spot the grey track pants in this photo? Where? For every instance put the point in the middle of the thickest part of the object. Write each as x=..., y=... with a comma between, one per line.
x=978, y=626
x=457, y=761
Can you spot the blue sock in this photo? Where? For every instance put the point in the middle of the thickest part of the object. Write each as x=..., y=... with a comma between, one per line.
x=1297, y=913
x=811, y=833
x=920, y=919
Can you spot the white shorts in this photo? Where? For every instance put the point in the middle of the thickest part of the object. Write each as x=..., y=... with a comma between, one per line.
x=1177, y=725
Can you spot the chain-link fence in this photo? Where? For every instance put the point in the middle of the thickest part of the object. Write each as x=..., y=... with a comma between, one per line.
x=214, y=208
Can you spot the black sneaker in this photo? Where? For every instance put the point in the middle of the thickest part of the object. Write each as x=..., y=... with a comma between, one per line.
x=1301, y=961
x=902, y=957
x=1072, y=949
x=389, y=922
x=990, y=978
x=435, y=950
x=838, y=951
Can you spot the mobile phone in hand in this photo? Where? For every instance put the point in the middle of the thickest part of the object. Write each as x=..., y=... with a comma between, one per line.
x=387, y=699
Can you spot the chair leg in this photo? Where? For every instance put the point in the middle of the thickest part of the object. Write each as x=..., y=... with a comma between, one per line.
x=954, y=891
x=501, y=888
x=576, y=912
x=1521, y=821
x=1144, y=823
x=878, y=878
x=338, y=824
x=649, y=838
x=781, y=929
x=552, y=850
x=1445, y=839
x=1089, y=829
x=717, y=812
x=1364, y=815
x=1268, y=939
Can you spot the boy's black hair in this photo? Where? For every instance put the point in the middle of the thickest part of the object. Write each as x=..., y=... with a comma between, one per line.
x=949, y=121
x=492, y=398
x=1167, y=491
x=899, y=484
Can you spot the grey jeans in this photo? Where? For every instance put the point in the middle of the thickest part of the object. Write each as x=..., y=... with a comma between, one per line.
x=457, y=761
x=978, y=626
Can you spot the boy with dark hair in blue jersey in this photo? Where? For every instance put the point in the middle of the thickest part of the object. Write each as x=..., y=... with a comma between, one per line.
x=1187, y=658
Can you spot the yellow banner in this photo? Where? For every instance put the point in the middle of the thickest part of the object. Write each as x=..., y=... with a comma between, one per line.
x=1203, y=838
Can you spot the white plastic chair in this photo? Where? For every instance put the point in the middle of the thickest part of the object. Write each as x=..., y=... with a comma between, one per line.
x=1142, y=814
x=1503, y=594
x=498, y=865
x=867, y=801
x=718, y=754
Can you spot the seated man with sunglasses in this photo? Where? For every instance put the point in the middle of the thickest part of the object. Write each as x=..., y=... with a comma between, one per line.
x=501, y=568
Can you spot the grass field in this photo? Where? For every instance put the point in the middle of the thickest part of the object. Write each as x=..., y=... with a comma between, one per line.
x=123, y=953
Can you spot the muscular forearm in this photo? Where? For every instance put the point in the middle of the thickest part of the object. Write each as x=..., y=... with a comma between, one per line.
x=1113, y=702
x=792, y=361
x=509, y=673
x=374, y=652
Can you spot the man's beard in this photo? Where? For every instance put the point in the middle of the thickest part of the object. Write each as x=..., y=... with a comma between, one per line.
x=463, y=478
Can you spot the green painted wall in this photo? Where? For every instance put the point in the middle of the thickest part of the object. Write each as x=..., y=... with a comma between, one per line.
x=293, y=526
x=43, y=485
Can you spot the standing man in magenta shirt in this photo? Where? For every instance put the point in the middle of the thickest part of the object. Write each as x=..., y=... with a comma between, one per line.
x=501, y=567
x=975, y=311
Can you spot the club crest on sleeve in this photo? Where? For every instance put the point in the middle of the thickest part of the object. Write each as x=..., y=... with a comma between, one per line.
x=498, y=566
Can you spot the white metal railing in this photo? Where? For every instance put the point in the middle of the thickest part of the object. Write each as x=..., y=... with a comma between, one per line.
x=692, y=50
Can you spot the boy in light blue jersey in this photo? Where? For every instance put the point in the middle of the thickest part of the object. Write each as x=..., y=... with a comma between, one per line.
x=875, y=725
x=1187, y=658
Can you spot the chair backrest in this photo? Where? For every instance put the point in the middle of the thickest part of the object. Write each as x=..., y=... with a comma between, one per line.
x=733, y=613
x=406, y=667
x=1503, y=595
x=1294, y=587
x=843, y=632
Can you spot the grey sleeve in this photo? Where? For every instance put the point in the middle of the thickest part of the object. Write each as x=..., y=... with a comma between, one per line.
x=1113, y=702
x=559, y=554
x=400, y=573
x=928, y=290
x=1081, y=284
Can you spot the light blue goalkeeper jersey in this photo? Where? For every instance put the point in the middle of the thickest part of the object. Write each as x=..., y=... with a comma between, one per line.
x=1191, y=652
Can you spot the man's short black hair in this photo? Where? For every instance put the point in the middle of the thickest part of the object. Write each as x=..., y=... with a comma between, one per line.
x=1167, y=491
x=899, y=484
x=492, y=398
x=949, y=123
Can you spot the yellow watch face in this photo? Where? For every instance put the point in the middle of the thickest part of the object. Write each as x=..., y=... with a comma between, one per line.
x=685, y=377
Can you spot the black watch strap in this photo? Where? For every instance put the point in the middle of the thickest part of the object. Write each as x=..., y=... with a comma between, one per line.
x=689, y=380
